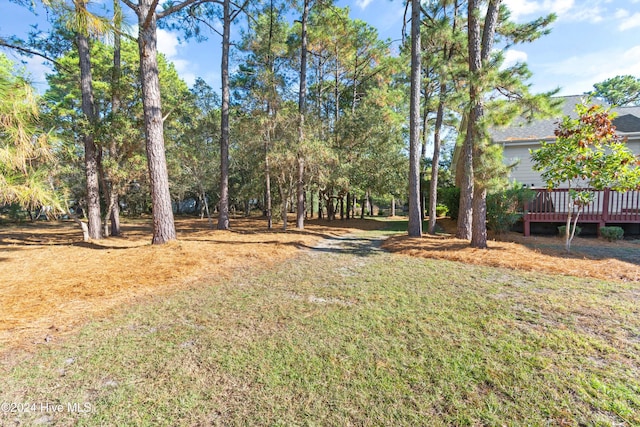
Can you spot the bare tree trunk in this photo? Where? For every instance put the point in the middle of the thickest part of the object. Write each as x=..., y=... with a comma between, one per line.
x=479, y=235
x=223, y=215
x=435, y=166
x=114, y=200
x=415, y=216
x=302, y=102
x=348, y=204
x=284, y=205
x=479, y=53
x=465, y=210
x=90, y=149
x=330, y=206
x=354, y=202
x=393, y=206
x=206, y=205
x=163, y=223
x=425, y=126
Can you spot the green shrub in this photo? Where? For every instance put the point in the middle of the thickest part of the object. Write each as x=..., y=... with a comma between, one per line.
x=505, y=208
x=450, y=197
x=611, y=233
x=563, y=228
x=441, y=210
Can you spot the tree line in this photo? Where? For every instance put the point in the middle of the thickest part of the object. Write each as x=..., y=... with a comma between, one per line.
x=319, y=112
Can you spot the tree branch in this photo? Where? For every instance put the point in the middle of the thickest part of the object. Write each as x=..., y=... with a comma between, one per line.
x=235, y=14
x=204, y=22
x=178, y=7
x=152, y=11
x=27, y=51
x=130, y=4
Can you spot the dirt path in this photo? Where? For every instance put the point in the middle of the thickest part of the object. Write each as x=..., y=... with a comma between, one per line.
x=352, y=244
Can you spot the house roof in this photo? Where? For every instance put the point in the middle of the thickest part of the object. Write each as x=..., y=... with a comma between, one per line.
x=627, y=121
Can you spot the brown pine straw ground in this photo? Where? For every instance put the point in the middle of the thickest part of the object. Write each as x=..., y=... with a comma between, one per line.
x=51, y=282
x=589, y=257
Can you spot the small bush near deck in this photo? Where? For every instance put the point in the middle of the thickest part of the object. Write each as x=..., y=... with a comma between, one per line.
x=612, y=233
x=505, y=207
x=441, y=210
x=562, y=229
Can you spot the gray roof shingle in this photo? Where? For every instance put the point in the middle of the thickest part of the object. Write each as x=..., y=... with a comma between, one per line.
x=627, y=121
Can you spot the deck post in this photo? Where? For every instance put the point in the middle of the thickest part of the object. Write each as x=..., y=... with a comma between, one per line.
x=605, y=207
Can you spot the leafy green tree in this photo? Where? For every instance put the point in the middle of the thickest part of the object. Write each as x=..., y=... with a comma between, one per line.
x=619, y=91
x=119, y=133
x=260, y=86
x=76, y=17
x=25, y=154
x=194, y=148
x=587, y=155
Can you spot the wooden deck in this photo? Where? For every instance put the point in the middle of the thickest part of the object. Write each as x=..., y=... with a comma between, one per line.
x=608, y=207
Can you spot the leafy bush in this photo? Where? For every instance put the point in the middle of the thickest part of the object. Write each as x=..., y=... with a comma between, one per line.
x=505, y=208
x=441, y=210
x=612, y=233
x=450, y=197
x=563, y=229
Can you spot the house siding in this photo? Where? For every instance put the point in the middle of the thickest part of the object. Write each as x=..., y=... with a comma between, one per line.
x=523, y=172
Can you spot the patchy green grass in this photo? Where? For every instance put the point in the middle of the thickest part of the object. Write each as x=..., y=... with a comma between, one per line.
x=348, y=335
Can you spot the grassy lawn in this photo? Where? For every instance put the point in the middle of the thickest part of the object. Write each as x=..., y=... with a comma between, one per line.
x=349, y=336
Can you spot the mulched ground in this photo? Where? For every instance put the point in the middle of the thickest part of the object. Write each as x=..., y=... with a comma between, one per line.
x=589, y=257
x=52, y=281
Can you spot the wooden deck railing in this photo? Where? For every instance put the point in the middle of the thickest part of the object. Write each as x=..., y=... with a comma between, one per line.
x=607, y=207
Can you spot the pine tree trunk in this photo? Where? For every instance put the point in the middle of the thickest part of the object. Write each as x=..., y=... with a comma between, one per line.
x=114, y=198
x=479, y=234
x=115, y=214
x=415, y=211
x=479, y=54
x=302, y=102
x=435, y=166
x=163, y=223
x=466, y=190
x=283, y=206
x=223, y=215
x=90, y=149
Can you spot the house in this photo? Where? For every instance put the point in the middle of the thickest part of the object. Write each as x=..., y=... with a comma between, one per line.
x=550, y=206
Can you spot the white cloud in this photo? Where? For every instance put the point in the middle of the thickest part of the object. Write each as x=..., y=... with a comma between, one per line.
x=168, y=45
x=522, y=8
x=362, y=4
x=569, y=10
x=578, y=73
x=184, y=67
x=513, y=56
x=629, y=22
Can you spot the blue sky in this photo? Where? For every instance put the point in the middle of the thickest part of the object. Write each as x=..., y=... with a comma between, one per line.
x=592, y=40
